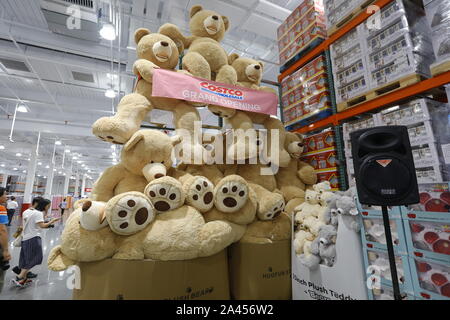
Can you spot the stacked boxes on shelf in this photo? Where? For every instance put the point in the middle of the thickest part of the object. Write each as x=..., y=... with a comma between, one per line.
x=390, y=51
x=305, y=94
x=302, y=30
x=349, y=66
x=438, y=15
x=427, y=229
x=375, y=253
x=427, y=123
x=402, y=46
x=320, y=152
x=339, y=12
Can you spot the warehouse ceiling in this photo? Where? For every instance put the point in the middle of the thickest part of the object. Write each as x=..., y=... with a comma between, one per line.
x=60, y=73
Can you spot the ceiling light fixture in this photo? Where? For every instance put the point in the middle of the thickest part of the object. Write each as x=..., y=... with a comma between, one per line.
x=67, y=150
x=18, y=154
x=15, y=169
x=108, y=32
x=22, y=108
x=2, y=147
x=110, y=93
x=58, y=143
x=2, y=165
x=47, y=167
x=39, y=163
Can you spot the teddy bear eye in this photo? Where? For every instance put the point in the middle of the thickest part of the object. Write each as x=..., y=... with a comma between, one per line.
x=152, y=161
x=340, y=211
x=162, y=162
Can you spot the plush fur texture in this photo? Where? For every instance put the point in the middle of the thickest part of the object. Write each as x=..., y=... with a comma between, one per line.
x=205, y=57
x=268, y=231
x=178, y=234
x=81, y=245
x=249, y=75
x=154, y=51
x=292, y=180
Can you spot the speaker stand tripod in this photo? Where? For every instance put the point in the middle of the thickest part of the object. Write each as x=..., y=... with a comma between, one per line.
x=390, y=248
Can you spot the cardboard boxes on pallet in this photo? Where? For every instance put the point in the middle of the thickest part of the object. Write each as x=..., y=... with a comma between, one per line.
x=260, y=271
x=305, y=92
x=339, y=12
x=438, y=16
x=197, y=279
x=303, y=26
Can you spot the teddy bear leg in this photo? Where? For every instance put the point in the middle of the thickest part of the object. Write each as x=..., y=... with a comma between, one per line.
x=216, y=235
x=291, y=192
x=283, y=158
x=196, y=64
x=199, y=192
x=292, y=204
x=270, y=204
x=231, y=194
x=245, y=139
x=118, y=129
x=165, y=194
x=129, y=213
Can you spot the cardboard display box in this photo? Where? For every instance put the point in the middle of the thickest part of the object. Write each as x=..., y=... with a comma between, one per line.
x=260, y=271
x=197, y=279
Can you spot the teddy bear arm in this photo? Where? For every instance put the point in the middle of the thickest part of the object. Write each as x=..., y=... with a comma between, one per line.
x=306, y=173
x=58, y=261
x=173, y=32
x=105, y=185
x=144, y=68
x=274, y=125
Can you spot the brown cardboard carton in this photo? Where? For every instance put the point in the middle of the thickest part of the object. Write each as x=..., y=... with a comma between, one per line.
x=200, y=279
x=260, y=271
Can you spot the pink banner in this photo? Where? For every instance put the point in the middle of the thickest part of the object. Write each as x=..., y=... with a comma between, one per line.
x=176, y=85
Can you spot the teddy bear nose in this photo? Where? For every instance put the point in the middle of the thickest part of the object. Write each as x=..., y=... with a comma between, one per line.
x=300, y=144
x=257, y=67
x=158, y=175
x=215, y=17
x=164, y=43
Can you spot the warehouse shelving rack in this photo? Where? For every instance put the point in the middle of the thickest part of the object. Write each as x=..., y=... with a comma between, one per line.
x=390, y=98
x=337, y=118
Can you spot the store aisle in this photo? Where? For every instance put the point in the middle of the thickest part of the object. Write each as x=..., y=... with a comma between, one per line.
x=48, y=285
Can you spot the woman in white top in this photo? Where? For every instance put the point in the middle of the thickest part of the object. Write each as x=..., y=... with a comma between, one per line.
x=31, y=249
x=11, y=207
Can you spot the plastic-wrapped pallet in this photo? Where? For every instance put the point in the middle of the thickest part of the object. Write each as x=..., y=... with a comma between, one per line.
x=305, y=92
x=429, y=134
x=303, y=26
x=348, y=58
x=438, y=15
x=398, y=44
x=339, y=12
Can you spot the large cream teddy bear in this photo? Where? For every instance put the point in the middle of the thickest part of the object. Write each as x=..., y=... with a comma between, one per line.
x=154, y=51
x=292, y=180
x=146, y=157
x=249, y=75
x=205, y=57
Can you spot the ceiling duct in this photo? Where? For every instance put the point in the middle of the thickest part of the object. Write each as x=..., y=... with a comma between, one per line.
x=73, y=18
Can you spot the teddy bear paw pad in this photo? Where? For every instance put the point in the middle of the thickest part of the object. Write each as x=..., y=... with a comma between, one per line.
x=231, y=196
x=130, y=214
x=200, y=194
x=165, y=196
x=273, y=212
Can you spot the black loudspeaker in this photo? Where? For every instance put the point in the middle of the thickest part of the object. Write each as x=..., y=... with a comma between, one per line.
x=384, y=167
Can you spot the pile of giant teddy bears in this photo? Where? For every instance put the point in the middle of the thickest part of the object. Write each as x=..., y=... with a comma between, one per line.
x=144, y=207
x=316, y=223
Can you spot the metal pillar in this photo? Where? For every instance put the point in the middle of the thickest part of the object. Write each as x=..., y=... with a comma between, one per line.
x=49, y=184
x=29, y=184
x=76, y=193
x=4, y=180
x=66, y=183
x=83, y=185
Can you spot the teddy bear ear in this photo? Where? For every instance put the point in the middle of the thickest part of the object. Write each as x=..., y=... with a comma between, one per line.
x=195, y=9
x=232, y=57
x=133, y=141
x=226, y=22
x=139, y=33
x=175, y=140
x=261, y=64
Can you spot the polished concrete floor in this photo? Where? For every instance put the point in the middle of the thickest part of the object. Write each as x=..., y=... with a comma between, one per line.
x=48, y=285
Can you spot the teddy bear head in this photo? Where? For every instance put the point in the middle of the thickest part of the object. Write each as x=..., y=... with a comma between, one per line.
x=294, y=144
x=327, y=234
x=149, y=153
x=247, y=70
x=157, y=48
x=311, y=196
x=346, y=206
x=208, y=23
